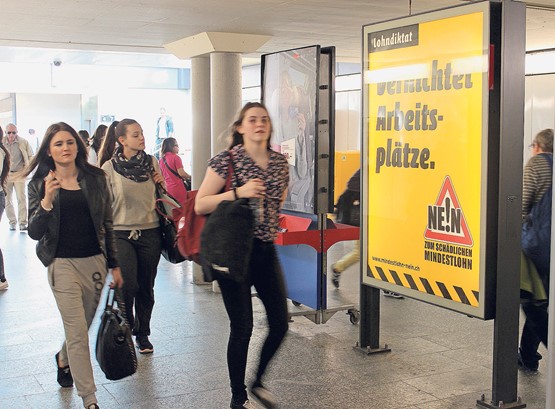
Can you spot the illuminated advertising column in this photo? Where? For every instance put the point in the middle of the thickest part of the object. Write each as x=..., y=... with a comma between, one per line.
x=425, y=156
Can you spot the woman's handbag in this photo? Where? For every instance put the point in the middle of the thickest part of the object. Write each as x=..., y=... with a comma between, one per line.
x=169, y=210
x=227, y=238
x=115, y=351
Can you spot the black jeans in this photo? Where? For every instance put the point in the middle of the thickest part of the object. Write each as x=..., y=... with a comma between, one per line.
x=266, y=276
x=534, y=330
x=138, y=259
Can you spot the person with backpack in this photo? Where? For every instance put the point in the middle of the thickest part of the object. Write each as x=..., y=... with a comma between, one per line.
x=537, y=181
x=348, y=212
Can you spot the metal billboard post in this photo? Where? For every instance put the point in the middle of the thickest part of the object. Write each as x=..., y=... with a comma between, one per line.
x=510, y=73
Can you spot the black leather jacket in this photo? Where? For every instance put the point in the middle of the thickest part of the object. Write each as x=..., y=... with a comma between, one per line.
x=44, y=226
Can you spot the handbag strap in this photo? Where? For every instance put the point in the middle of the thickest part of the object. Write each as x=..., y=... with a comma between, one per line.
x=115, y=296
x=169, y=168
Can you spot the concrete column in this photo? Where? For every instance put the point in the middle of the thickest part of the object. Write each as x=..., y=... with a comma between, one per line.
x=225, y=89
x=201, y=113
x=201, y=125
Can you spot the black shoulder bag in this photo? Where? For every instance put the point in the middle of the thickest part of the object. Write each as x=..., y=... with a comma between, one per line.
x=227, y=238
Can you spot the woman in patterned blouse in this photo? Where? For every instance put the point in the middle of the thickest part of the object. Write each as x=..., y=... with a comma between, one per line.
x=262, y=176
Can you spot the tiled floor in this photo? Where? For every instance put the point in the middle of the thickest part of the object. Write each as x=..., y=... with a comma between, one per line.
x=439, y=359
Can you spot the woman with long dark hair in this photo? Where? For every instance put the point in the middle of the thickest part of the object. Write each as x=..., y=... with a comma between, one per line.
x=108, y=144
x=5, y=161
x=132, y=178
x=172, y=169
x=65, y=192
x=262, y=176
x=96, y=142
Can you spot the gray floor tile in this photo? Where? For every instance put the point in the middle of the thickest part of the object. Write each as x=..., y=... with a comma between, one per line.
x=439, y=359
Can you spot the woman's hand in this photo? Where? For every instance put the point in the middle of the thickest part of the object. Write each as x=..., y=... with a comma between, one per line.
x=158, y=178
x=117, y=278
x=51, y=186
x=254, y=188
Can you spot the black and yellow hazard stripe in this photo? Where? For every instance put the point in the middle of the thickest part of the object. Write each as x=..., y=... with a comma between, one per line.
x=437, y=288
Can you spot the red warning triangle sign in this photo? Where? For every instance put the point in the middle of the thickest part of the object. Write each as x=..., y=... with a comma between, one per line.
x=446, y=220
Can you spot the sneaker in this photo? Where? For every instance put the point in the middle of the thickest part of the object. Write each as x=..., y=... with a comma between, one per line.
x=93, y=406
x=144, y=345
x=247, y=404
x=264, y=396
x=22, y=227
x=64, y=374
x=4, y=285
x=12, y=227
x=528, y=366
x=335, y=277
x=391, y=294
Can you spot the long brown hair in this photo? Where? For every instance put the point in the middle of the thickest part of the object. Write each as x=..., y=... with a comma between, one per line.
x=5, y=163
x=236, y=137
x=43, y=162
x=108, y=144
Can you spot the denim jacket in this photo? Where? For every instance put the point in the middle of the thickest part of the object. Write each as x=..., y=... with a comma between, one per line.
x=44, y=225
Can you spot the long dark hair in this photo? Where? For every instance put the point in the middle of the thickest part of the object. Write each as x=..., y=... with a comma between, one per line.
x=108, y=144
x=111, y=139
x=5, y=163
x=236, y=137
x=43, y=162
x=167, y=145
x=98, y=137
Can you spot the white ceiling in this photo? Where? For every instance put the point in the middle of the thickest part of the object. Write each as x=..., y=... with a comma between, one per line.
x=114, y=31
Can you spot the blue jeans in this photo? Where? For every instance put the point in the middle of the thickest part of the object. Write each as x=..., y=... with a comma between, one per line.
x=266, y=276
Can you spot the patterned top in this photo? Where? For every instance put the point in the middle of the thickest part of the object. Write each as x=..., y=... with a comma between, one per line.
x=276, y=180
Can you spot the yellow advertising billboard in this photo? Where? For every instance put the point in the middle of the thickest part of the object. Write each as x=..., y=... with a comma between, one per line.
x=425, y=98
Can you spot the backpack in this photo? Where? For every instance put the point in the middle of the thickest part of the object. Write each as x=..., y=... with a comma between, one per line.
x=536, y=234
x=348, y=208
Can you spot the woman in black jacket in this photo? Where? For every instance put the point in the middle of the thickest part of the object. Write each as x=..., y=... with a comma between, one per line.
x=71, y=217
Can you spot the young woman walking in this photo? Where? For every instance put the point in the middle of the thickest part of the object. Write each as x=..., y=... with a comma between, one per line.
x=262, y=176
x=132, y=178
x=64, y=192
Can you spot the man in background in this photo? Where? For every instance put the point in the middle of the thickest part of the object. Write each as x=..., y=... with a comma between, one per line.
x=20, y=154
x=164, y=129
x=33, y=140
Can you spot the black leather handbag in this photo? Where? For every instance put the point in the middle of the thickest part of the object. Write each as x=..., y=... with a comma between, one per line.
x=115, y=351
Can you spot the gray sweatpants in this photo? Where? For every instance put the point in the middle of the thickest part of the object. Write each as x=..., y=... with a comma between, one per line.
x=77, y=284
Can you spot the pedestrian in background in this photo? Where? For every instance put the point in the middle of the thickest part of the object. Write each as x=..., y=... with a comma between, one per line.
x=5, y=161
x=20, y=155
x=537, y=179
x=96, y=143
x=172, y=169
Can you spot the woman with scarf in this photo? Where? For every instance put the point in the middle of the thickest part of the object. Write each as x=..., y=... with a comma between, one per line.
x=132, y=178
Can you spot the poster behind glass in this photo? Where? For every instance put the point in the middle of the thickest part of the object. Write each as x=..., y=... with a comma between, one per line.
x=289, y=85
